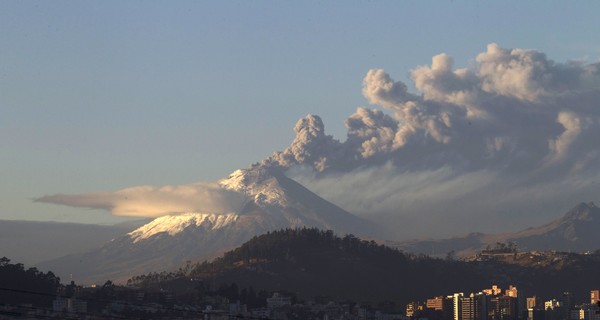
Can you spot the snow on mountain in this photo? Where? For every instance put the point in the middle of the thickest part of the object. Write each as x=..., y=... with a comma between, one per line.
x=258, y=183
x=173, y=225
x=273, y=202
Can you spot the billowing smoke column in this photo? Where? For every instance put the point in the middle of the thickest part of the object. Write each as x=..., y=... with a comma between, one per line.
x=506, y=143
x=515, y=111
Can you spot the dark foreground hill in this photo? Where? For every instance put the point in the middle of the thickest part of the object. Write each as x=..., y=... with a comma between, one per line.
x=17, y=285
x=312, y=263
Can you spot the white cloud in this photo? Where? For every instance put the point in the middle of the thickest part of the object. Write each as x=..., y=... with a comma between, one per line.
x=150, y=201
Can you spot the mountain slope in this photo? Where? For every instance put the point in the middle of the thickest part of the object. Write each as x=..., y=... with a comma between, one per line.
x=576, y=231
x=273, y=202
x=310, y=263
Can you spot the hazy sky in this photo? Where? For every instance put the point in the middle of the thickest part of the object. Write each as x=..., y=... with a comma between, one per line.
x=101, y=96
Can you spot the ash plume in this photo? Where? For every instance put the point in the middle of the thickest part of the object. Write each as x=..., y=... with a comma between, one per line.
x=515, y=135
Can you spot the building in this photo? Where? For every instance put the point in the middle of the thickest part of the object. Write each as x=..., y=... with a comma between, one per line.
x=415, y=309
x=534, y=309
x=474, y=307
x=468, y=309
x=436, y=303
x=534, y=303
x=411, y=309
x=238, y=308
x=507, y=308
x=553, y=310
x=594, y=296
x=448, y=308
x=551, y=304
x=456, y=310
x=69, y=305
x=494, y=291
x=576, y=314
x=586, y=312
x=511, y=292
x=278, y=301
x=535, y=314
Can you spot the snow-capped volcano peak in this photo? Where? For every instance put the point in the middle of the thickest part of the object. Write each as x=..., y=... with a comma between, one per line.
x=258, y=183
x=174, y=224
x=271, y=201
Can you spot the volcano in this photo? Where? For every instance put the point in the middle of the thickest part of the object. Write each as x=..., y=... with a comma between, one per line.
x=273, y=202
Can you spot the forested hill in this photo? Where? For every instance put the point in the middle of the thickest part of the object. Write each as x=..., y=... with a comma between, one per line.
x=312, y=263
x=19, y=285
x=308, y=243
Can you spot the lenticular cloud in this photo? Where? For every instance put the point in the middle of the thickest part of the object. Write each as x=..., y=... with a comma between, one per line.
x=150, y=201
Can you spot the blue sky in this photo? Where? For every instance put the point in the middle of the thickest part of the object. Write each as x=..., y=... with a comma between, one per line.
x=98, y=96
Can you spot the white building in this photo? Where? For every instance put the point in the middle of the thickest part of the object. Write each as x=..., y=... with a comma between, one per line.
x=278, y=301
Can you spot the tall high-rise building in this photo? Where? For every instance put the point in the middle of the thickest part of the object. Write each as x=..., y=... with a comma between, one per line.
x=492, y=308
x=534, y=309
x=567, y=300
x=507, y=308
x=456, y=310
x=448, y=307
x=534, y=303
x=481, y=301
x=594, y=296
x=566, y=304
x=468, y=308
x=473, y=307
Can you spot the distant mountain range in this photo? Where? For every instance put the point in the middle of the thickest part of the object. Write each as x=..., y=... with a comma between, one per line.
x=578, y=230
x=274, y=202
x=30, y=242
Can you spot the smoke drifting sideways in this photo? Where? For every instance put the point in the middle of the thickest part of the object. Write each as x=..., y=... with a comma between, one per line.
x=510, y=142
